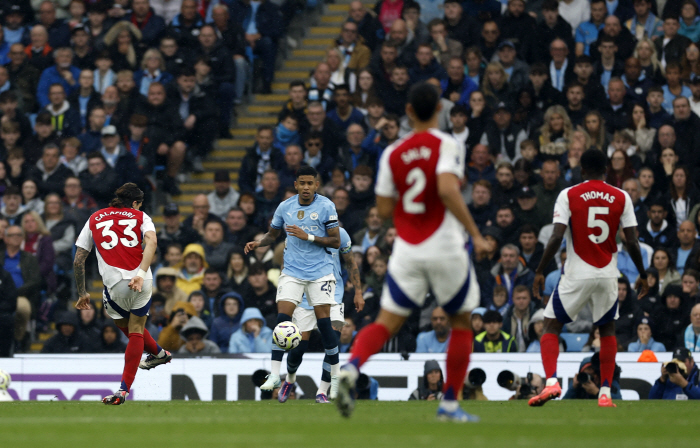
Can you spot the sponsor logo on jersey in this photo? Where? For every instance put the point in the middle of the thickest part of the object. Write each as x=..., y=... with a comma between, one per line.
x=314, y=215
x=300, y=214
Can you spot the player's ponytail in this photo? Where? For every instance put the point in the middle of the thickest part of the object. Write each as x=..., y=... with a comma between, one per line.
x=126, y=195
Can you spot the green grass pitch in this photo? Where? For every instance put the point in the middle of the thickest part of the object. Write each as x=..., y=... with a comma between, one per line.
x=375, y=424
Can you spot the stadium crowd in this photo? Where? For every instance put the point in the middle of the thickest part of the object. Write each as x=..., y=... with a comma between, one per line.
x=526, y=88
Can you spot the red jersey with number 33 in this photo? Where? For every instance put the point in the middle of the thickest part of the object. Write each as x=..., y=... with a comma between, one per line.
x=408, y=171
x=593, y=212
x=117, y=234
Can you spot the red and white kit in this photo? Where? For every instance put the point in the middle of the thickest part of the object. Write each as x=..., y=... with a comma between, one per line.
x=593, y=212
x=117, y=234
x=429, y=250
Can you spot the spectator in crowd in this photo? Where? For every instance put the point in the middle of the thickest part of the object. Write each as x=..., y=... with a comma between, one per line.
x=37, y=242
x=690, y=280
x=58, y=30
x=511, y=271
x=436, y=340
x=165, y=285
x=119, y=159
x=395, y=95
x=99, y=181
x=8, y=306
x=516, y=320
x=169, y=337
x=692, y=332
x=261, y=292
x=259, y=158
x=502, y=137
x=671, y=45
x=658, y=230
x=69, y=339
x=238, y=230
x=224, y=197
x=681, y=382
x=253, y=336
x=587, y=31
x=65, y=120
x=201, y=215
x=370, y=235
x=293, y=158
x=215, y=248
x=645, y=339
x=10, y=111
x=173, y=230
x=194, y=334
x=369, y=27
x=431, y=387
x=91, y=139
x=151, y=25
x=532, y=250
x=351, y=48
x=688, y=243
x=672, y=316
x=192, y=270
x=535, y=331
x=344, y=114
x=228, y=322
x=109, y=339
x=198, y=300
x=483, y=210
x=493, y=339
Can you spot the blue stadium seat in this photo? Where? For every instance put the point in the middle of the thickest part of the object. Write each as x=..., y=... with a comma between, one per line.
x=574, y=341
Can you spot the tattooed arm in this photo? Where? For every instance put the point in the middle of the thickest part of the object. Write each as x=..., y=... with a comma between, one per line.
x=83, y=302
x=354, y=272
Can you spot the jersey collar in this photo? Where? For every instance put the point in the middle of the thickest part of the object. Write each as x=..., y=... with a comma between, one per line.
x=306, y=205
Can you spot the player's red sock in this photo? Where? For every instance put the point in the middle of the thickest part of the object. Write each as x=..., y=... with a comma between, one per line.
x=549, y=348
x=368, y=342
x=458, y=351
x=149, y=344
x=608, y=351
x=132, y=357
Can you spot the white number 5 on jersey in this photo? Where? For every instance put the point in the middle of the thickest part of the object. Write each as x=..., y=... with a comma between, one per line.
x=594, y=223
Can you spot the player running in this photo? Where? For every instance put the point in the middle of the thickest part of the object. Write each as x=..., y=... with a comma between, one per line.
x=588, y=214
x=419, y=184
x=311, y=223
x=305, y=318
x=118, y=232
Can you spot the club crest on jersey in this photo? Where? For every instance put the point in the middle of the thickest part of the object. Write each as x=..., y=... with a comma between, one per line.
x=300, y=214
x=314, y=215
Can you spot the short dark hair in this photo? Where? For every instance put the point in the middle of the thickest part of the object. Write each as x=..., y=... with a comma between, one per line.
x=264, y=127
x=594, y=162
x=424, y=98
x=186, y=71
x=458, y=109
x=492, y=315
x=656, y=89
x=126, y=195
x=528, y=228
x=344, y=87
x=43, y=117
x=214, y=221
x=8, y=96
x=256, y=269
x=313, y=135
x=13, y=191
x=550, y=5
x=693, y=273
x=211, y=270
x=96, y=155
x=298, y=83
x=307, y=170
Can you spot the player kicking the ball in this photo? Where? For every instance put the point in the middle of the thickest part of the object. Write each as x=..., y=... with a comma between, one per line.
x=311, y=223
x=419, y=184
x=305, y=318
x=588, y=214
x=118, y=233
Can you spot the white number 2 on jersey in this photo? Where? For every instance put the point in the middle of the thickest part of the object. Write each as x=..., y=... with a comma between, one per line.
x=594, y=223
x=416, y=179
x=128, y=224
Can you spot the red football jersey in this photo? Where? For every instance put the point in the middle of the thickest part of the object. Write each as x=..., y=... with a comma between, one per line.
x=117, y=234
x=593, y=212
x=408, y=172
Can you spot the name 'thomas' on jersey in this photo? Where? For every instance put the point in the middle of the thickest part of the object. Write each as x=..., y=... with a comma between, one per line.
x=593, y=212
x=408, y=171
x=117, y=234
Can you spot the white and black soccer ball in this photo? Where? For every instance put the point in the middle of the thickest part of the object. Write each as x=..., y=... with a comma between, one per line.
x=286, y=335
x=5, y=380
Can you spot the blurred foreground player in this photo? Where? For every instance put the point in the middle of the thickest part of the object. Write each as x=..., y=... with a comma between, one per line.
x=118, y=233
x=588, y=215
x=419, y=185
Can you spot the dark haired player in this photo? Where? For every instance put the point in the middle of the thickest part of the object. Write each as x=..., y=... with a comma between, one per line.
x=588, y=215
x=118, y=233
x=311, y=223
x=419, y=185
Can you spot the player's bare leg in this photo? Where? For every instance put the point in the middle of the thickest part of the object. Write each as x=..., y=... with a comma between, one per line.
x=157, y=355
x=608, y=352
x=549, y=348
x=132, y=357
x=368, y=342
x=458, y=351
x=285, y=309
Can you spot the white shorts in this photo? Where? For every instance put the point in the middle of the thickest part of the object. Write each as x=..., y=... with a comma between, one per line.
x=570, y=296
x=451, y=279
x=306, y=319
x=119, y=301
x=318, y=292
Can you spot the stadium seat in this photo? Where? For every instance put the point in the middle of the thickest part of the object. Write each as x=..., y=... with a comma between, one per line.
x=574, y=341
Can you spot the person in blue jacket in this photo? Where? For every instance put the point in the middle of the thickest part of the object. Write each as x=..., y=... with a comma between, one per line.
x=253, y=336
x=645, y=340
x=677, y=386
x=62, y=73
x=589, y=389
x=229, y=321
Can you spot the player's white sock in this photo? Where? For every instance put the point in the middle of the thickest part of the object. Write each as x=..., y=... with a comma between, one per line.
x=323, y=388
x=604, y=391
x=551, y=382
x=275, y=367
x=335, y=370
x=161, y=353
x=449, y=405
x=291, y=377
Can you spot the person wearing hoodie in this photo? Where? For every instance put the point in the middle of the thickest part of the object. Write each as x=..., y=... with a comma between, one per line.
x=199, y=302
x=629, y=313
x=673, y=317
x=68, y=339
x=89, y=322
x=253, y=336
x=165, y=285
x=109, y=339
x=169, y=337
x=194, y=334
x=431, y=387
x=589, y=389
x=191, y=270
x=645, y=340
x=535, y=330
x=229, y=321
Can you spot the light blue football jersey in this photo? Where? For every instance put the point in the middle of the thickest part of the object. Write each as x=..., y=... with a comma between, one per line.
x=345, y=247
x=305, y=260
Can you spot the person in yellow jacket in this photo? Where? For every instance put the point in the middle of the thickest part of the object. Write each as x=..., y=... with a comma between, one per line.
x=191, y=269
x=170, y=338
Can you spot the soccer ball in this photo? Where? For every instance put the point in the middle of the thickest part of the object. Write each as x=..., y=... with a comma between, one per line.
x=5, y=380
x=286, y=336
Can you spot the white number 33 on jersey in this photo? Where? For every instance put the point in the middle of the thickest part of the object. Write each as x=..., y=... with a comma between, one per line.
x=114, y=239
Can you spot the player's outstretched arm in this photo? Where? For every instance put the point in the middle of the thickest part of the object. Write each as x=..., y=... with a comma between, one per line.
x=451, y=196
x=635, y=252
x=81, y=255
x=332, y=240
x=550, y=251
x=149, y=251
x=269, y=238
x=355, y=280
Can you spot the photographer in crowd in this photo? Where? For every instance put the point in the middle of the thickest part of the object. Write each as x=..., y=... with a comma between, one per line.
x=431, y=387
x=586, y=383
x=678, y=380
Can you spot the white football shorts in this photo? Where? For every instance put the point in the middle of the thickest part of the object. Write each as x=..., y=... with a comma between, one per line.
x=451, y=279
x=318, y=292
x=119, y=301
x=570, y=296
x=306, y=319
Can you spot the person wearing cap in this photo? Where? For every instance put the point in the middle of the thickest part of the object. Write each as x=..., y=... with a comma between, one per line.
x=493, y=339
x=645, y=341
x=65, y=120
x=502, y=136
x=69, y=338
x=590, y=389
x=121, y=160
x=195, y=333
x=680, y=385
x=173, y=230
x=431, y=386
x=694, y=99
x=83, y=53
x=514, y=67
x=224, y=197
x=529, y=210
x=13, y=27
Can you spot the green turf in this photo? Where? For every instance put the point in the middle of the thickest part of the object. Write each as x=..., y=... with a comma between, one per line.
x=375, y=424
